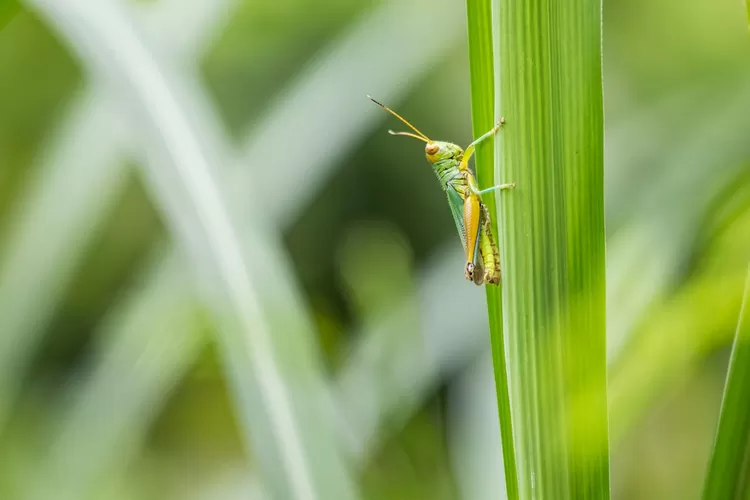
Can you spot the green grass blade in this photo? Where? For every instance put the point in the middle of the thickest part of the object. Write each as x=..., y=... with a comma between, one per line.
x=8, y=11
x=49, y=239
x=479, y=15
x=146, y=346
x=549, y=90
x=729, y=469
x=86, y=153
x=388, y=377
x=389, y=22
x=278, y=391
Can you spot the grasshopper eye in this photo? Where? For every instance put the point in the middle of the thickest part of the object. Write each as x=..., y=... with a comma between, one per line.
x=431, y=148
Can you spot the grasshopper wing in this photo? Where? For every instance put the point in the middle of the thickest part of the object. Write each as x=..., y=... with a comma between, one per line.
x=457, y=210
x=457, y=205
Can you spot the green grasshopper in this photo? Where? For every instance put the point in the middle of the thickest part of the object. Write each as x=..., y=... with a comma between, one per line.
x=451, y=165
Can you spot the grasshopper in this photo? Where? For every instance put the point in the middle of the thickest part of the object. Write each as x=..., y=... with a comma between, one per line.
x=451, y=165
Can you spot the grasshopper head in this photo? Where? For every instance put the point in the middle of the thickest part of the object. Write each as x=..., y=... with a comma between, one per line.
x=439, y=150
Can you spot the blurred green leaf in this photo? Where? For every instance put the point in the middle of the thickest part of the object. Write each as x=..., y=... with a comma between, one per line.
x=51, y=230
x=8, y=10
x=683, y=325
x=145, y=348
x=89, y=128
x=242, y=68
x=729, y=470
x=278, y=391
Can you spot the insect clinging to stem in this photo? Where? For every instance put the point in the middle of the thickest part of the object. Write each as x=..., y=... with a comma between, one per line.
x=451, y=165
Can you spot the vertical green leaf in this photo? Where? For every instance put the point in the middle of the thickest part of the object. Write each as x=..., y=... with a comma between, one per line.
x=729, y=469
x=549, y=89
x=479, y=15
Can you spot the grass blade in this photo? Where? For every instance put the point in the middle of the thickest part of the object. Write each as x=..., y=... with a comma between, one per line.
x=87, y=156
x=729, y=469
x=387, y=377
x=479, y=15
x=278, y=394
x=696, y=320
x=549, y=90
x=51, y=229
x=368, y=37
x=144, y=349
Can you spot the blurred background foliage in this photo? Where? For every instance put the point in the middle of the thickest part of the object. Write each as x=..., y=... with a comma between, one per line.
x=372, y=249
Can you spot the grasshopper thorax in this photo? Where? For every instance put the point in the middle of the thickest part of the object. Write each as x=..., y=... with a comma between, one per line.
x=436, y=151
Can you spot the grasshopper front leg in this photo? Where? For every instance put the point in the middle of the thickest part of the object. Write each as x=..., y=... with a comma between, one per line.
x=479, y=192
x=464, y=165
x=499, y=187
x=469, y=151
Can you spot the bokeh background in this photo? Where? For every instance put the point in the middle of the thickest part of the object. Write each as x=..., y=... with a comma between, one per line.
x=112, y=382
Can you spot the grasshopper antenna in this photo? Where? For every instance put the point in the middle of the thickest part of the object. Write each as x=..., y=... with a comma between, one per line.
x=419, y=135
x=409, y=134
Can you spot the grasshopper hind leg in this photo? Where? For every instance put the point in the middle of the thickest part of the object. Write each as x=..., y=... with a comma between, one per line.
x=472, y=219
x=488, y=250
